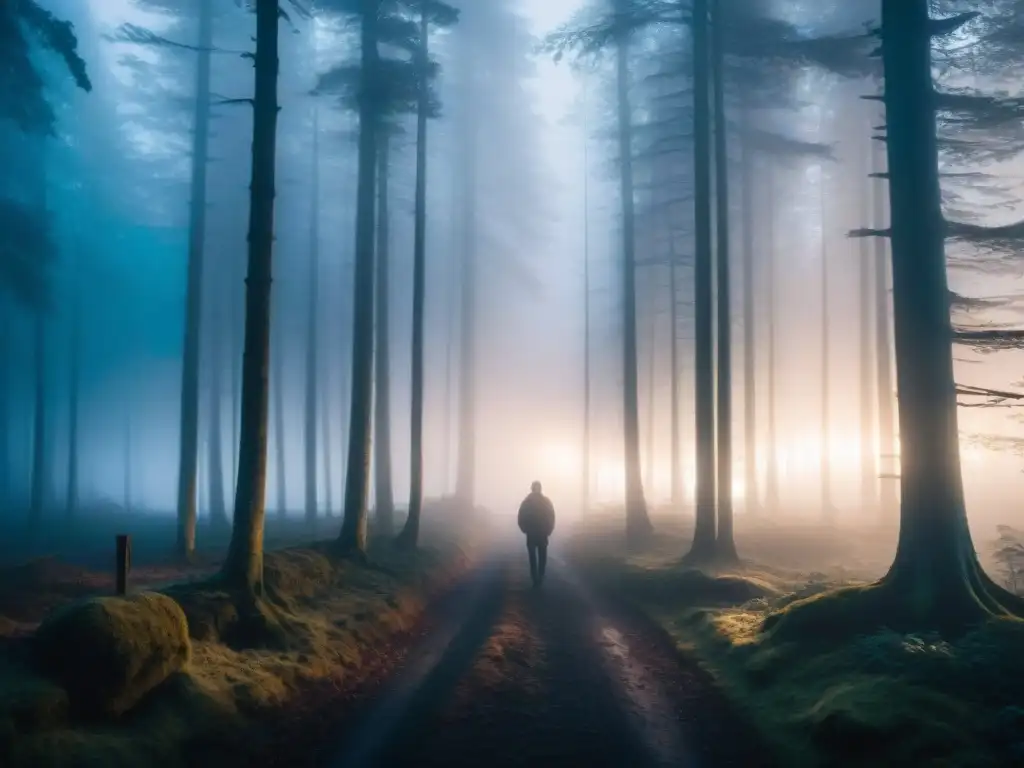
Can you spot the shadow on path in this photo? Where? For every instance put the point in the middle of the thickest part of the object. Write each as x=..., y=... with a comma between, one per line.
x=430, y=673
x=515, y=677
x=541, y=693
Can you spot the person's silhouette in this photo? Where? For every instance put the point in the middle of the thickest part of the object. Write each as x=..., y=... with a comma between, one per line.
x=537, y=521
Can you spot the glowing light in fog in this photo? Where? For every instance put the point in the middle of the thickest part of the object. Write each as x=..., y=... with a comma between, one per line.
x=609, y=483
x=560, y=460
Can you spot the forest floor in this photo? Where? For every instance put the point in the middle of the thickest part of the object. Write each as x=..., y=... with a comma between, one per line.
x=332, y=627
x=510, y=676
x=882, y=700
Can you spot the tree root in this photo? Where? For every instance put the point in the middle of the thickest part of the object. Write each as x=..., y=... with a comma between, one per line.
x=903, y=601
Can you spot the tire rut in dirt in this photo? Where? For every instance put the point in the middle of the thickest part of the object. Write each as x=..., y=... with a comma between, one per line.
x=537, y=695
x=429, y=675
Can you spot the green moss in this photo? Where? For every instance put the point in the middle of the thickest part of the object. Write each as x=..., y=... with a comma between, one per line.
x=27, y=702
x=883, y=720
x=109, y=652
x=328, y=613
x=833, y=678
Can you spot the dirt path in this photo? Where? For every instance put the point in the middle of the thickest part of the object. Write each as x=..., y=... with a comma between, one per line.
x=518, y=677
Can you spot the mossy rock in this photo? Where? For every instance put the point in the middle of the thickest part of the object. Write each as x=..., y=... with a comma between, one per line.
x=109, y=652
x=28, y=703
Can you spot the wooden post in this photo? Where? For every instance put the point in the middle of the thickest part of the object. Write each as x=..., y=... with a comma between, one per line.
x=123, y=563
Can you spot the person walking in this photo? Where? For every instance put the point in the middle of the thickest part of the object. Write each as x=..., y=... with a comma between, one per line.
x=537, y=521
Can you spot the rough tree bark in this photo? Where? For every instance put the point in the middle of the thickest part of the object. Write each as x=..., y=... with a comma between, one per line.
x=935, y=568
x=935, y=581
x=243, y=567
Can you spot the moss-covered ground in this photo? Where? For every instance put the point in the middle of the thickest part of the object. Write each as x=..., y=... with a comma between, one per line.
x=880, y=698
x=337, y=619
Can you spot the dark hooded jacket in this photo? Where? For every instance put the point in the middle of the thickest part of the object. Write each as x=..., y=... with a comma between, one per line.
x=537, y=516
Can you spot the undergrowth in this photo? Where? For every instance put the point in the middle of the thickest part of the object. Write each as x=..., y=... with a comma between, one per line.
x=333, y=614
x=879, y=699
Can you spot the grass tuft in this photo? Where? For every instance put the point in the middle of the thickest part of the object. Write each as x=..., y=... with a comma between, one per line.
x=321, y=619
x=832, y=689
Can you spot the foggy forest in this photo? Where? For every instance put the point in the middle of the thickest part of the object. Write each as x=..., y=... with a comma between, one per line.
x=313, y=313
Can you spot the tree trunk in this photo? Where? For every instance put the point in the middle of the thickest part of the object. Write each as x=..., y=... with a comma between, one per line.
x=352, y=538
x=827, y=508
x=868, y=382
x=215, y=440
x=704, y=535
x=280, y=449
x=39, y=424
x=465, y=472
x=202, y=502
x=384, y=490
x=237, y=324
x=751, y=495
x=638, y=524
x=5, y=406
x=312, y=325
x=243, y=566
x=652, y=359
x=452, y=316
x=129, y=464
x=74, y=392
x=771, y=490
x=325, y=432
x=888, y=485
x=725, y=545
x=188, y=459
x=585, y=487
x=410, y=533
x=935, y=567
x=676, y=475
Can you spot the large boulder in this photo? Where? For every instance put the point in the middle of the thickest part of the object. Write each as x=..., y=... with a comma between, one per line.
x=109, y=652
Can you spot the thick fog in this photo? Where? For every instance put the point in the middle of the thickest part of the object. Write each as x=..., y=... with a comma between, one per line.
x=523, y=172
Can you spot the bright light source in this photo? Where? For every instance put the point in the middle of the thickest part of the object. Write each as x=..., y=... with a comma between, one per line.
x=609, y=482
x=560, y=460
x=972, y=454
x=738, y=490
